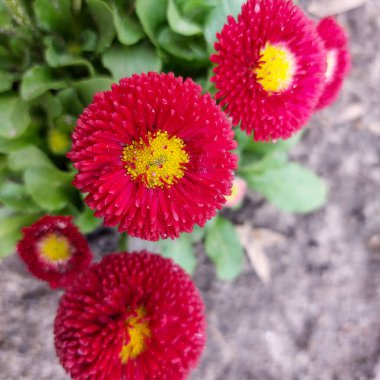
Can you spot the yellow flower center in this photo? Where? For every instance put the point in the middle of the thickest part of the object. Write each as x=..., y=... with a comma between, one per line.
x=55, y=247
x=276, y=69
x=331, y=64
x=157, y=160
x=138, y=331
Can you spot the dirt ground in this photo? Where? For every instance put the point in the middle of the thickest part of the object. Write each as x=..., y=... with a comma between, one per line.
x=318, y=318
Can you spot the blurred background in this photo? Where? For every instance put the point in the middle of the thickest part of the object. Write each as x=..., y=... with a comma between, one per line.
x=308, y=306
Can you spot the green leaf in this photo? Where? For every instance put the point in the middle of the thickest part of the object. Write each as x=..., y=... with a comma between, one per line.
x=197, y=234
x=14, y=116
x=50, y=104
x=48, y=187
x=268, y=147
x=218, y=17
x=86, y=221
x=5, y=59
x=19, y=13
x=125, y=61
x=5, y=17
x=290, y=188
x=193, y=6
x=10, y=230
x=65, y=123
x=38, y=80
x=223, y=247
x=251, y=164
x=3, y=168
x=7, y=146
x=103, y=17
x=19, y=54
x=88, y=40
x=57, y=56
x=189, y=49
x=6, y=80
x=242, y=139
x=30, y=156
x=180, y=24
x=70, y=101
x=196, y=10
x=152, y=15
x=13, y=195
x=206, y=84
x=29, y=137
x=181, y=251
x=54, y=15
x=87, y=88
x=128, y=30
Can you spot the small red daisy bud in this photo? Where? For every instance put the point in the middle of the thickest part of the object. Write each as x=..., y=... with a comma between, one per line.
x=270, y=66
x=154, y=156
x=338, y=59
x=54, y=250
x=238, y=191
x=135, y=316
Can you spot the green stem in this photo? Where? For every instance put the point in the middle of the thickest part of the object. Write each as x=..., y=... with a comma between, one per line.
x=123, y=242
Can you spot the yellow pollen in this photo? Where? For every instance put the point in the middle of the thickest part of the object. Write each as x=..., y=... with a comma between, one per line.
x=138, y=331
x=55, y=247
x=157, y=160
x=276, y=68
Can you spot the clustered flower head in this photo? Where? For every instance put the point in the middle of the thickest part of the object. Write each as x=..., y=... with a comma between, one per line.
x=154, y=155
x=338, y=59
x=54, y=250
x=270, y=65
x=134, y=316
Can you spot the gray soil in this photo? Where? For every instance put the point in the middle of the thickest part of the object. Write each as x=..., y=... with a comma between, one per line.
x=318, y=318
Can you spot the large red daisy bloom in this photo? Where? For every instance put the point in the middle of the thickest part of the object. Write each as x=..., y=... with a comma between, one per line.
x=338, y=59
x=54, y=250
x=133, y=316
x=270, y=68
x=154, y=155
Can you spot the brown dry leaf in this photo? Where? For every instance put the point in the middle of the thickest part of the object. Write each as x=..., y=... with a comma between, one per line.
x=374, y=128
x=255, y=240
x=350, y=113
x=374, y=243
x=213, y=323
x=324, y=8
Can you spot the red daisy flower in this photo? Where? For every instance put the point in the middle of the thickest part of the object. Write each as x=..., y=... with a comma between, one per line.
x=338, y=59
x=54, y=250
x=270, y=68
x=154, y=155
x=134, y=316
